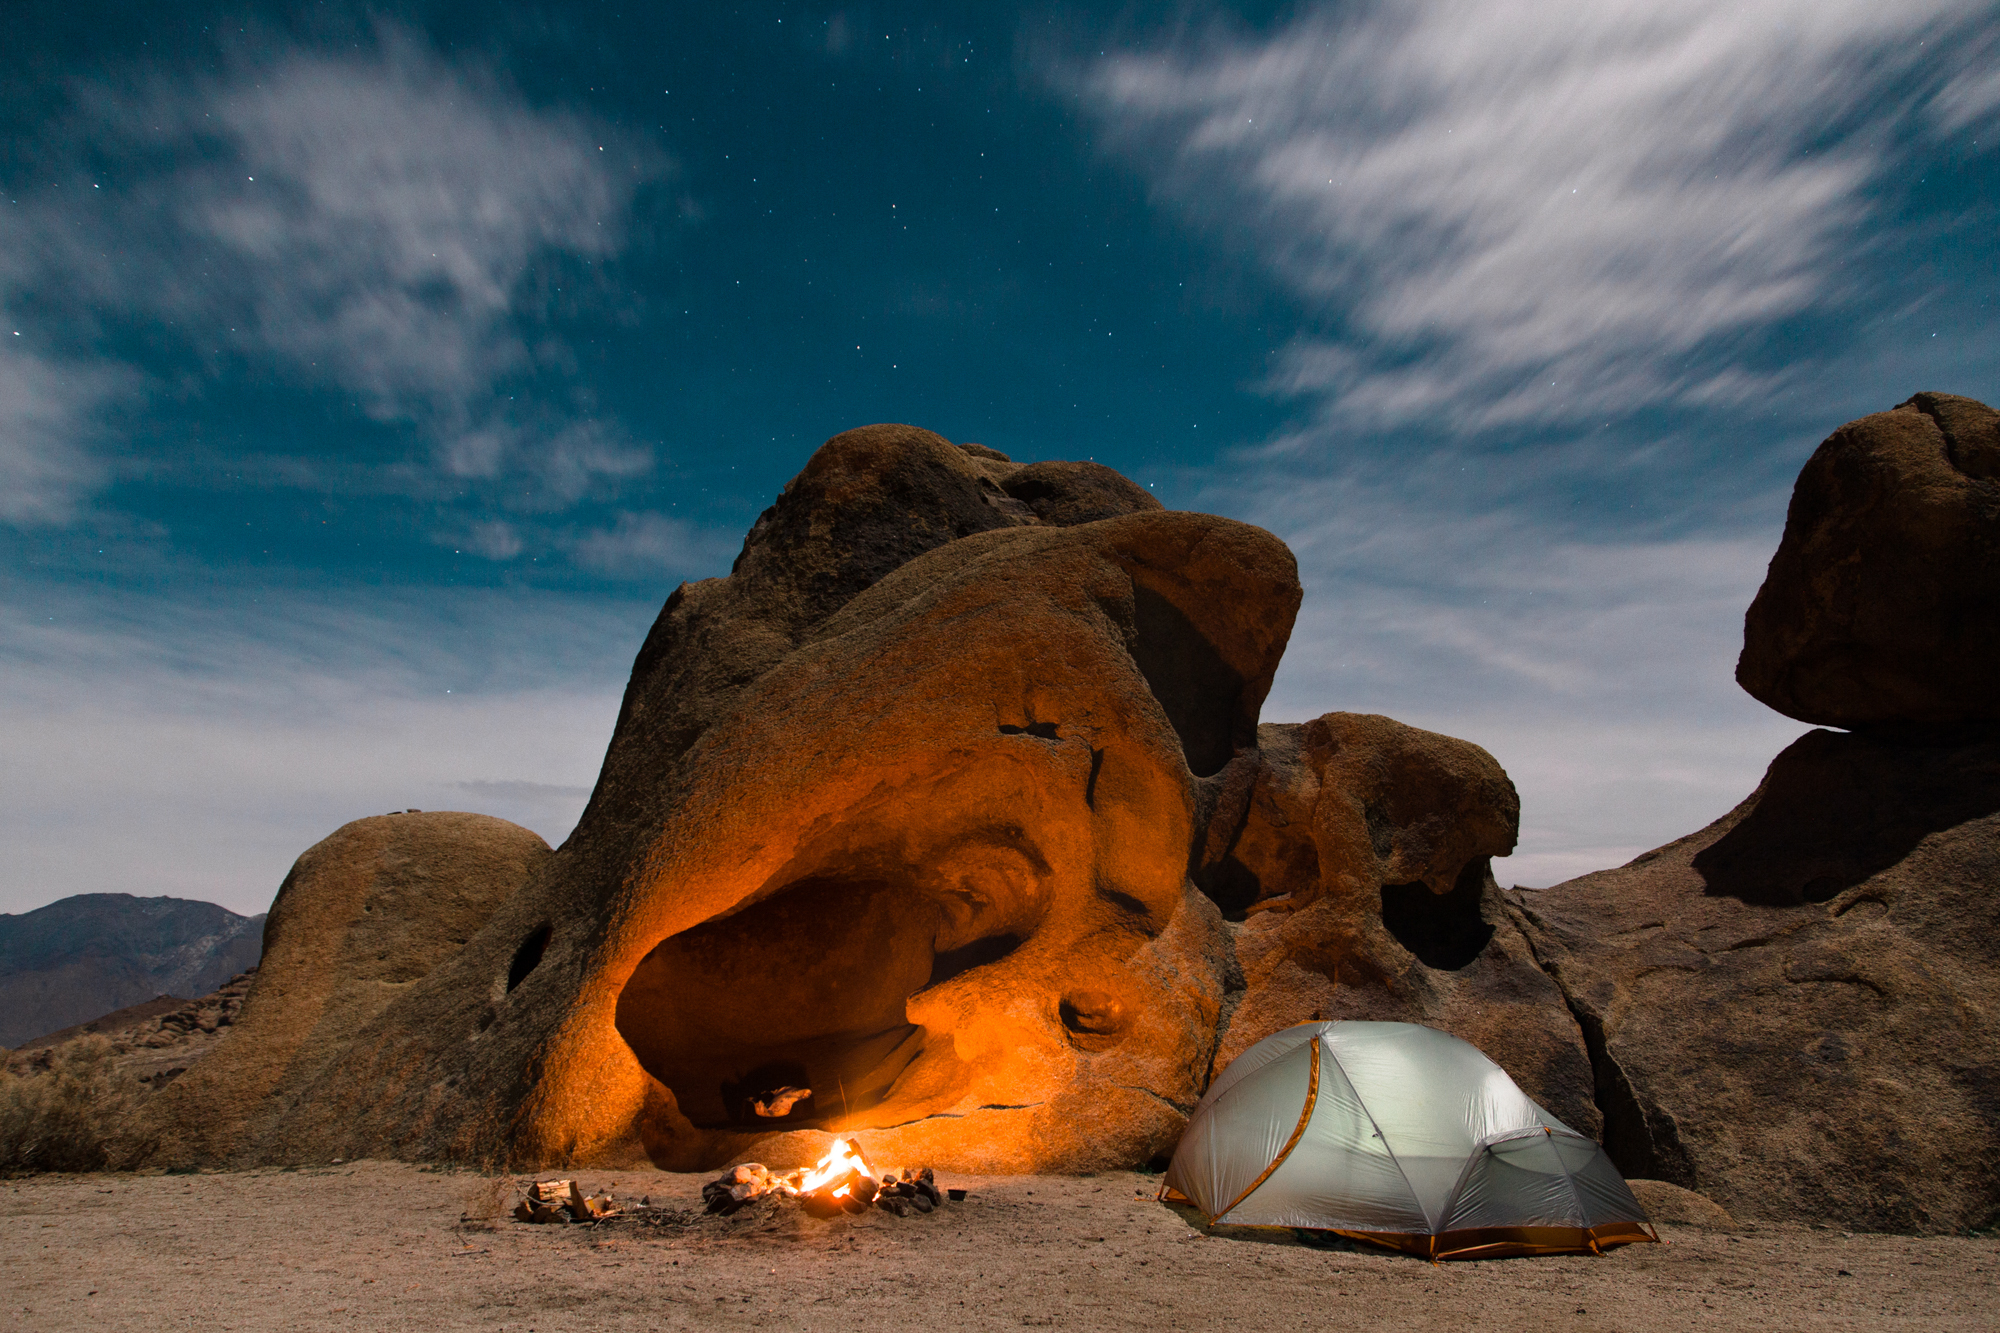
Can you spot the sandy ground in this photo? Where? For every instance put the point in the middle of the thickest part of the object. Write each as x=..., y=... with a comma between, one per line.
x=375, y=1245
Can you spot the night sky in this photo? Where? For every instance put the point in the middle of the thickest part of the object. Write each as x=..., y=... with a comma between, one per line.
x=369, y=376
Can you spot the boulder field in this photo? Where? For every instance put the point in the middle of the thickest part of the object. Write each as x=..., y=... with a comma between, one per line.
x=947, y=819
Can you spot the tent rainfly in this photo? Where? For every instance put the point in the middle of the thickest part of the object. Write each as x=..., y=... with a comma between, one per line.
x=1399, y=1135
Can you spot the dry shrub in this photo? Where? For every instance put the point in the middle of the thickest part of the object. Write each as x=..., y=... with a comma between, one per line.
x=486, y=1202
x=69, y=1109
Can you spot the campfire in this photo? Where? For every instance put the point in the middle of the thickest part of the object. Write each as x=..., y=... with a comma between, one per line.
x=840, y=1182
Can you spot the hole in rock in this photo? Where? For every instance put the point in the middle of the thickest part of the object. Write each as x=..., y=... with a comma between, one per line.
x=1041, y=730
x=1444, y=931
x=1201, y=694
x=529, y=956
x=1095, y=1019
x=792, y=1012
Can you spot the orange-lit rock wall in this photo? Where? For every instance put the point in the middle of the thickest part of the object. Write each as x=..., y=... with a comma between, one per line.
x=948, y=815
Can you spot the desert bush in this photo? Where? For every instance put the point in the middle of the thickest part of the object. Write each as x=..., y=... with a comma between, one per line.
x=69, y=1109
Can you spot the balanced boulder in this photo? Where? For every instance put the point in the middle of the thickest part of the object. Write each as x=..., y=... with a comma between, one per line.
x=1882, y=604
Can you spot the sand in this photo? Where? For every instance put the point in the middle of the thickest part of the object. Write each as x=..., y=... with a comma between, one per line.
x=377, y=1245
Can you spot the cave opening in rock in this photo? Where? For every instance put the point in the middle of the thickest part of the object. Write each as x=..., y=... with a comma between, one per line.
x=1444, y=930
x=792, y=1012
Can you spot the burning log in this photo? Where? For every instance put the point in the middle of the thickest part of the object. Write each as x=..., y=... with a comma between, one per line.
x=840, y=1182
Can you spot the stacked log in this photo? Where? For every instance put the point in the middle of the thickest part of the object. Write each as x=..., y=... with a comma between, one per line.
x=564, y=1201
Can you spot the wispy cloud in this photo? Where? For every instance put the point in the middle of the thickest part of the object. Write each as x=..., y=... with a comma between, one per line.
x=384, y=222
x=641, y=545
x=1503, y=215
x=1597, y=671
x=48, y=408
x=196, y=748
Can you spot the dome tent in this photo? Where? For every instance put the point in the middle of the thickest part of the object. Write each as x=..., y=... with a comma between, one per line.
x=1400, y=1135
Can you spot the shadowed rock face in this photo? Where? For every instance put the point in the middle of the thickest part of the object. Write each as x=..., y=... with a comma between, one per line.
x=1792, y=1010
x=1882, y=604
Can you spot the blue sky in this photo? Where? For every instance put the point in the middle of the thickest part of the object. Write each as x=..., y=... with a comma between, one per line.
x=368, y=376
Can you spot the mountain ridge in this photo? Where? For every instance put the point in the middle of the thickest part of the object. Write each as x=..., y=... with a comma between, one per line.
x=84, y=956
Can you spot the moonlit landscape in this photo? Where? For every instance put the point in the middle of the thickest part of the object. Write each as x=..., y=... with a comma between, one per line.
x=370, y=375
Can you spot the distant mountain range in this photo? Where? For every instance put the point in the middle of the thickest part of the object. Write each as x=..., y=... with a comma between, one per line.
x=82, y=957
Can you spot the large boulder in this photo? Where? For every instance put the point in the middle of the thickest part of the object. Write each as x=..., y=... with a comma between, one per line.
x=1796, y=1010
x=1882, y=604
x=1359, y=868
x=364, y=915
x=897, y=815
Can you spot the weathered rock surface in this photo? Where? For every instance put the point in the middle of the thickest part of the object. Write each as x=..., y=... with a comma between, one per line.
x=1362, y=864
x=1882, y=604
x=363, y=915
x=898, y=812
x=1794, y=1010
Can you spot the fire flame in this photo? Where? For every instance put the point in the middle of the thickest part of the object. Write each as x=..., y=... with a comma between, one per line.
x=841, y=1160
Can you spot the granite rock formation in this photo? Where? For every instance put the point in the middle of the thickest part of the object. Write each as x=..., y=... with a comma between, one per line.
x=1882, y=604
x=1793, y=1010
x=898, y=812
x=946, y=818
x=363, y=915
x=922, y=823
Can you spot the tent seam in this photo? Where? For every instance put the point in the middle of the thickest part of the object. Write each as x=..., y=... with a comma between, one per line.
x=1298, y=1132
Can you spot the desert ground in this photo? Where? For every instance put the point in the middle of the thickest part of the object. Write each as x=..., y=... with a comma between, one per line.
x=377, y=1244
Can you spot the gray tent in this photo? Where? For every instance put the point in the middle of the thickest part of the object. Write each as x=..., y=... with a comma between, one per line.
x=1400, y=1135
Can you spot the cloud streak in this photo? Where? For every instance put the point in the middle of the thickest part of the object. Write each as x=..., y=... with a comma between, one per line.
x=1542, y=259
x=1598, y=672
x=1505, y=216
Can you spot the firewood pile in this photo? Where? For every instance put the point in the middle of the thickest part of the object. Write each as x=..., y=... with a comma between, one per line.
x=564, y=1201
